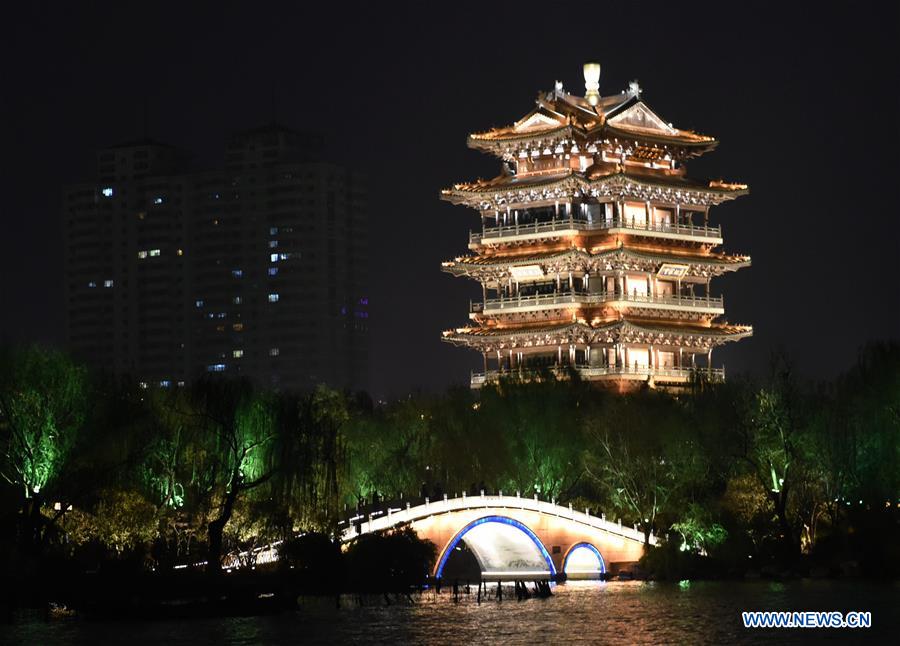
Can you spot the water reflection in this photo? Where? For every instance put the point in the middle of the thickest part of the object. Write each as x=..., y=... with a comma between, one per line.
x=579, y=612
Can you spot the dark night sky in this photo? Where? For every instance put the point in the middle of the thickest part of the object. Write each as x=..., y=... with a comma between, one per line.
x=805, y=103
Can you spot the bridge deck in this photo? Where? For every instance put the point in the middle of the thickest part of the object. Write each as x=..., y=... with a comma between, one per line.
x=391, y=517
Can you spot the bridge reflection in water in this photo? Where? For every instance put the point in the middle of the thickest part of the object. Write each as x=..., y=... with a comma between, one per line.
x=515, y=538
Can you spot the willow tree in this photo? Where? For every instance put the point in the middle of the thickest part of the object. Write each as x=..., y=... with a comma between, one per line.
x=42, y=408
x=310, y=449
x=232, y=430
x=772, y=445
x=639, y=449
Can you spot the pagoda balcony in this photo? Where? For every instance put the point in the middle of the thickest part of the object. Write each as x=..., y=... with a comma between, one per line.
x=711, y=305
x=572, y=226
x=670, y=375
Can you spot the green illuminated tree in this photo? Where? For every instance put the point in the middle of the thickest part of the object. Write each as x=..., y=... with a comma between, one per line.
x=42, y=408
x=230, y=432
x=773, y=444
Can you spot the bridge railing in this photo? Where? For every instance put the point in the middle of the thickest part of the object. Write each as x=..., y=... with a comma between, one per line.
x=392, y=516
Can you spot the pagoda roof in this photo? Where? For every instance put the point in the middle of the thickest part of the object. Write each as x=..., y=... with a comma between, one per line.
x=625, y=329
x=595, y=179
x=559, y=113
x=621, y=255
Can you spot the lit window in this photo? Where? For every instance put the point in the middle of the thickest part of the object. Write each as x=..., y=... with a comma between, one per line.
x=237, y=354
x=237, y=273
x=274, y=352
x=216, y=367
x=159, y=200
x=142, y=254
x=238, y=327
x=273, y=257
x=154, y=253
x=273, y=298
x=273, y=231
x=165, y=383
x=273, y=271
x=273, y=244
x=284, y=256
x=107, y=283
x=180, y=252
x=107, y=191
x=181, y=384
x=143, y=384
x=237, y=300
x=92, y=284
x=198, y=303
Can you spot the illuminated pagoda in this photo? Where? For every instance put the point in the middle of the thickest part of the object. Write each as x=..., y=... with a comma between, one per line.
x=596, y=251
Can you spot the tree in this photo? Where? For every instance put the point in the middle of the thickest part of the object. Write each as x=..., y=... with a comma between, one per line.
x=540, y=425
x=42, y=408
x=232, y=432
x=43, y=401
x=640, y=453
x=771, y=445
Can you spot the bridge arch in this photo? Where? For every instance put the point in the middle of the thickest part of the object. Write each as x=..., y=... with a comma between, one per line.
x=491, y=536
x=583, y=560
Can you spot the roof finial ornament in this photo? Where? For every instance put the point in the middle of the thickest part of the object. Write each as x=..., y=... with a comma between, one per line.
x=592, y=82
x=634, y=88
x=558, y=88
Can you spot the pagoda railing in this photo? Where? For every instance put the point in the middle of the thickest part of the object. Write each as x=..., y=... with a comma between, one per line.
x=588, y=298
x=478, y=379
x=580, y=224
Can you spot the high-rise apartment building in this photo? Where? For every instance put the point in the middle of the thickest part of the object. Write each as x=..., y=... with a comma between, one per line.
x=255, y=270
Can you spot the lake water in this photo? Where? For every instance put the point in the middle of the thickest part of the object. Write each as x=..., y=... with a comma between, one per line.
x=582, y=612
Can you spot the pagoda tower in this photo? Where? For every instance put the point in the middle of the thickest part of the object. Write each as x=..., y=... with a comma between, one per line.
x=596, y=252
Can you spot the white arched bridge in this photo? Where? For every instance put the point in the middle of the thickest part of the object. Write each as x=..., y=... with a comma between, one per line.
x=513, y=537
